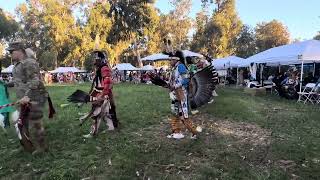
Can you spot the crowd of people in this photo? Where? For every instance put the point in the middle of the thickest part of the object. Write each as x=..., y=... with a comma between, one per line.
x=139, y=76
x=117, y=76
x=286, y=81
x=69, y=77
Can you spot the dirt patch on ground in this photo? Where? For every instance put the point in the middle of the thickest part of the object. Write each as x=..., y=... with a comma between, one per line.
x=249, y=141
x=221, y=141
x=242, y=132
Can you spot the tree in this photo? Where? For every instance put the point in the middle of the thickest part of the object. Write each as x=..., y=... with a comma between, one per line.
x=51, y=23
x=198, y=40
x=47, y=60
x=105, y=24
x=271, y=34
x=90, y=34
x=8, y=26
x=133, y=21
x=32, y=30
x=222, y=29
x=129, y=18
x=245, y=43
x=176, y=25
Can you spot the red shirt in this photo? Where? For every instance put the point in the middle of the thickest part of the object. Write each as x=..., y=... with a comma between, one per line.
x=106, y=83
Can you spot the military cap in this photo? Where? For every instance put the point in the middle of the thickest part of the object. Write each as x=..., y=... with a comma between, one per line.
x=17, y=45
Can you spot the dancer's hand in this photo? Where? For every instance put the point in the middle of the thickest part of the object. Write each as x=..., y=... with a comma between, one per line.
x=100, y=98
x=24, y=100
x=172, y=88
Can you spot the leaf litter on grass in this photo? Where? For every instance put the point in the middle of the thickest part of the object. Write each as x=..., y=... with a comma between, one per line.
x=249, y=142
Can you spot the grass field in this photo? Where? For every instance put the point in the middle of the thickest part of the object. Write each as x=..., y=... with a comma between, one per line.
x=243, y=137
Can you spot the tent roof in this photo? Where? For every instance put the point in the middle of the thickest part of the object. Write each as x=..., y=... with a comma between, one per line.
x=156, y=57
x=67, y=69
x=125, y=67
x=227, y=62
x=147, y=68
x=307, y=51
x=8, y=69
x=161, y=56
x=188, y=53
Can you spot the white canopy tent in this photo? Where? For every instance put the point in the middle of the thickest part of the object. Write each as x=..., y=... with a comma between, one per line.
x=125, y=67
x=244, y=63
x=161, y=56
x=227, y=62
x=188, y=53
x=156, y=57
x=8, y=69
x=147, y=68
x=67, y=69
x=296, y=53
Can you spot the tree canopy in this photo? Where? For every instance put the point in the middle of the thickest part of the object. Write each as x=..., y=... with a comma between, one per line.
x=271, y=34
x=65, y=32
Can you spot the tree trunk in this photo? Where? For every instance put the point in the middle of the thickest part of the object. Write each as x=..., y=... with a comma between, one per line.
x=138, y=54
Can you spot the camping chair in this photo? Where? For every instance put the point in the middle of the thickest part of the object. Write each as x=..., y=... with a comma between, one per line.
x=304, y=95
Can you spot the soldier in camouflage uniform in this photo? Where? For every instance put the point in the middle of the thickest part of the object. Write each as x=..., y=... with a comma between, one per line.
x=29, y=90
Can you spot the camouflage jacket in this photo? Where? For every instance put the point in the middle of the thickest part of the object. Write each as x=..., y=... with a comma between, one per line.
x=27, y=81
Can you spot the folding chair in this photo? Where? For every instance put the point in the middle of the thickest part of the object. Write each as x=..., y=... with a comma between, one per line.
x=313, y=95
x=304, y=95
x=318, y=100
x=269, y=85
x=317, y=94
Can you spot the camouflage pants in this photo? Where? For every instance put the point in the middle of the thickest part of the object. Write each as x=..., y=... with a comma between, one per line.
x=35, y=124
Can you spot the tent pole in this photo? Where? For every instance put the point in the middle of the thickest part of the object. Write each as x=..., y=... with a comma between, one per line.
x=301, y=75
x=314, y=68
x=237, y=76
x=261, y=69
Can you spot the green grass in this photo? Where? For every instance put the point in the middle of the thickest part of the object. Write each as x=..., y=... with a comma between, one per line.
x=141, y=146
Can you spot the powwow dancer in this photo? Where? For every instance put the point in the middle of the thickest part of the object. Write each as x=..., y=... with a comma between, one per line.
x=199, y=86
x=103, y=105
x=32, y=94
x=178, y=85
